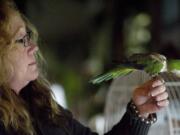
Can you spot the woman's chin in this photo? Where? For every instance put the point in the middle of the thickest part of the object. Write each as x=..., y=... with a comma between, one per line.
x=34, y=76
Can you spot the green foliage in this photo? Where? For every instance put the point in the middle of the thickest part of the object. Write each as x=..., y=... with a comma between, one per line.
x=173, y=64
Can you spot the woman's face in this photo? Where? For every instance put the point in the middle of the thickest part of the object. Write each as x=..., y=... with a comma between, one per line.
x=23, y=57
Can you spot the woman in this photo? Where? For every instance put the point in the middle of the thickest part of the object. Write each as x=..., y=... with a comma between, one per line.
x=26, y=103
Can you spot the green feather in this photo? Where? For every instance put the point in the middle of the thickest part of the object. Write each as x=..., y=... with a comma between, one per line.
x=121, y=71
x=153, y=67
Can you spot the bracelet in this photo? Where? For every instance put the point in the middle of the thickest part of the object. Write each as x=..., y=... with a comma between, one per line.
x=152, y=118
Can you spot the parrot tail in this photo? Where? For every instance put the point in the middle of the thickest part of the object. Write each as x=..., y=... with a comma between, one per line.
x=111, y=75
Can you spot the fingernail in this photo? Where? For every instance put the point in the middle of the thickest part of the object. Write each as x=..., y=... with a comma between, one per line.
x=152, y=94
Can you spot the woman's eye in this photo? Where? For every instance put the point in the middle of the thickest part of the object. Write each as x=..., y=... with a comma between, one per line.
x=19, y=41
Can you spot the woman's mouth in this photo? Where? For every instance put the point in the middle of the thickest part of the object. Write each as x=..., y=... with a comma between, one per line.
x=33, y=63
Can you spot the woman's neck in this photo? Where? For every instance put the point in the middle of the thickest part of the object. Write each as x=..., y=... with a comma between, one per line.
x=17, y=86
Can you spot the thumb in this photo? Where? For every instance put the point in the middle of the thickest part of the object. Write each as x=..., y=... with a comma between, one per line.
x=152, y=106
x=148, y=108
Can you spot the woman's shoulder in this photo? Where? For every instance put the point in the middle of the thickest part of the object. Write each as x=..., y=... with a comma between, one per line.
x=65, y=112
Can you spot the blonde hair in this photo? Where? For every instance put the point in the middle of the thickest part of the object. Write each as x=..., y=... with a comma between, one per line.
x=14, y=111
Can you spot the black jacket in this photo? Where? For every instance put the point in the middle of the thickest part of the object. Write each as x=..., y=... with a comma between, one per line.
x=128, y=125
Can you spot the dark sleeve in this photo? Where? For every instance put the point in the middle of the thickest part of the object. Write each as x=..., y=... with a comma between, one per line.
x=127, y=126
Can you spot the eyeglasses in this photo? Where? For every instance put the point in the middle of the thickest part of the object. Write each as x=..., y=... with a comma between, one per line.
x=25, y=40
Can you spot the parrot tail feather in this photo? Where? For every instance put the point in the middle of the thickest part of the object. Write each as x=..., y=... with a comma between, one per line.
x=111, y=75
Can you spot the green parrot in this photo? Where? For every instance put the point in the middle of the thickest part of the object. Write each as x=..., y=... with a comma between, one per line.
x=153, y=64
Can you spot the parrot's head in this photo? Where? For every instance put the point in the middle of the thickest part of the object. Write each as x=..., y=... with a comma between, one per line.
x=162, y=59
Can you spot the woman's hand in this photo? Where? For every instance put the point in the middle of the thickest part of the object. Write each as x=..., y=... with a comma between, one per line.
x=151, y=96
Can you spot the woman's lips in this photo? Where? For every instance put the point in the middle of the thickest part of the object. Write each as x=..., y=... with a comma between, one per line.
x=33, y=63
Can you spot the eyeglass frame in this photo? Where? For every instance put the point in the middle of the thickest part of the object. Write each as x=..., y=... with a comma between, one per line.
x=26, y=39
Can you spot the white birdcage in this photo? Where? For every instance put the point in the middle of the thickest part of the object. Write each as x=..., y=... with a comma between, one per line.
x=120, y=93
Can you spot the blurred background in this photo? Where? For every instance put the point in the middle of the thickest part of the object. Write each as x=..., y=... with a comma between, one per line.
x=83, y=38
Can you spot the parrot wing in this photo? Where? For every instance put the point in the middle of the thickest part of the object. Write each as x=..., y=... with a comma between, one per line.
x=120, y=71
x=150, y=65
x=154, y=67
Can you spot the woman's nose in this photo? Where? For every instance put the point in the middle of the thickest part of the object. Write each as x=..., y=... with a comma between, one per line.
x=32, y=48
